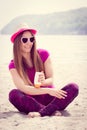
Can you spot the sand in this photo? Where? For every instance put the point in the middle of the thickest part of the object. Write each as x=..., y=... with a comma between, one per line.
x=73, y=118
x=75, y=115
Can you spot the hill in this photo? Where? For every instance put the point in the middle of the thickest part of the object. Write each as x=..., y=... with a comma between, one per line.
x=69, y=22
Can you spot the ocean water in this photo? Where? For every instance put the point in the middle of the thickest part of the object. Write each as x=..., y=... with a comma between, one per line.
x=62, y=48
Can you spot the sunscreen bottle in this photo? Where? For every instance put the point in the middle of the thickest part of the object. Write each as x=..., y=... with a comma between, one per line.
x=37, y=84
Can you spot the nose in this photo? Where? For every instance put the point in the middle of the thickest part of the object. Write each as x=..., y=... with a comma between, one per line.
x=28, y=43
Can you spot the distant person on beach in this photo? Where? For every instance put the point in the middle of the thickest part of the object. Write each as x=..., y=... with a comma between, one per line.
x=32, y=74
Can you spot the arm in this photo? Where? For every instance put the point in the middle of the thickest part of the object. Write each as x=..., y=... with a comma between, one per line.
x=31, y=90
x=19, y=83
x=46, y=78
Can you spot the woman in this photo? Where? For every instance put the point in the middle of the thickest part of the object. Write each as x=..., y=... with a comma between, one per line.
x=42, y=101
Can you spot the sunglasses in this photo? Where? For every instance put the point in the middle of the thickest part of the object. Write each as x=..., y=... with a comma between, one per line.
x=25, y=40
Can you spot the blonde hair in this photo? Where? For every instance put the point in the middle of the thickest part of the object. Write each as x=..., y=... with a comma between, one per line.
x=20, y=61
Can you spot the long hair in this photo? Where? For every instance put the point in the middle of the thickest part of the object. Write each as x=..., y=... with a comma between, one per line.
x=20, y=61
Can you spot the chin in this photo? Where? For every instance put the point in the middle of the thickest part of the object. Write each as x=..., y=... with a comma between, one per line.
x=27, y=51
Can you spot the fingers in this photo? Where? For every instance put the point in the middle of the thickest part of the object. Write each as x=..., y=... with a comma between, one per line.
x=41, y=77
x=61, y=94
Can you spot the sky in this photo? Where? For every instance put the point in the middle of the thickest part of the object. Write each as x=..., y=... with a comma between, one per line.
x=9, y=9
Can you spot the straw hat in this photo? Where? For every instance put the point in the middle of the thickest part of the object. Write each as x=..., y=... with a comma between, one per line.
x=21, y=28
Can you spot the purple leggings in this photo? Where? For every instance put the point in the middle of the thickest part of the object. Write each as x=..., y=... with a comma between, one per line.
x=44, y=104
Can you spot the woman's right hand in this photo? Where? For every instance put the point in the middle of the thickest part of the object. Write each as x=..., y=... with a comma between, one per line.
x=61, y=94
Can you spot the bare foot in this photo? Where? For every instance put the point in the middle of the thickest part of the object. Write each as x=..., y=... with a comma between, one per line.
x=34, y=114
x=57, y=113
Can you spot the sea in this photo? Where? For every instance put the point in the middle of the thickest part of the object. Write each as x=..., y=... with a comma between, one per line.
x=62, y=48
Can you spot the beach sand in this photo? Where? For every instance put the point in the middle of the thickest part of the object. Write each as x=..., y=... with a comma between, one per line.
x=73, y=118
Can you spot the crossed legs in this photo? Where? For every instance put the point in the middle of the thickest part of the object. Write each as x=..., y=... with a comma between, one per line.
x=42, y=105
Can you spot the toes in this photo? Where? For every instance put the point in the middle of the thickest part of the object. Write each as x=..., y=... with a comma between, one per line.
x=34, y=114
x=30, y=114
x=57, y=113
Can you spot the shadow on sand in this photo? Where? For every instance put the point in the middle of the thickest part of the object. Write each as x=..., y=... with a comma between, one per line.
x=7, y=114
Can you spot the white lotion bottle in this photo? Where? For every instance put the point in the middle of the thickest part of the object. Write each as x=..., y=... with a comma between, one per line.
x=37, y=84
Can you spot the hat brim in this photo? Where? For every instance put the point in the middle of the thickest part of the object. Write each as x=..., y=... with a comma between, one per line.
x=33, y=31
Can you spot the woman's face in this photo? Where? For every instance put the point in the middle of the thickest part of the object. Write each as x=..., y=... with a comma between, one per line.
x=27, y=41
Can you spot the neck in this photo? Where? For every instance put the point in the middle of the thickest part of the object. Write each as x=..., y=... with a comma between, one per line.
x=27, y=56
x=28, y=59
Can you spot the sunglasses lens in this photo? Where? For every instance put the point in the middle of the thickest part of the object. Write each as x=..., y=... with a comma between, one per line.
x=32, y=39
x=24, y=40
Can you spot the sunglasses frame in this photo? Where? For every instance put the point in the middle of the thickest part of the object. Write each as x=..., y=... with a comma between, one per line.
x=31, y=39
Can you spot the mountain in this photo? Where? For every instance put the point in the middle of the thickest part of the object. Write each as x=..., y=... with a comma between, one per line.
x=70, y=22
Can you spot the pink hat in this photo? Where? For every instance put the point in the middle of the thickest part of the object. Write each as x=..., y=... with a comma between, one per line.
x=22, y=29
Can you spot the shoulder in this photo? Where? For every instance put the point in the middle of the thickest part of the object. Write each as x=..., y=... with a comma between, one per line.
x=11, y=65
x=44, y=54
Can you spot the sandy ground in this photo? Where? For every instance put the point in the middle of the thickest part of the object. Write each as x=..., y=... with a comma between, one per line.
x=73, y=118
